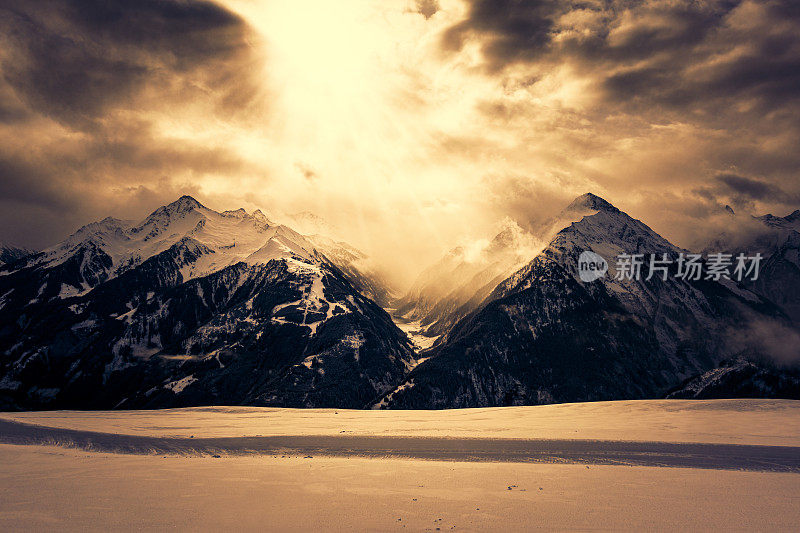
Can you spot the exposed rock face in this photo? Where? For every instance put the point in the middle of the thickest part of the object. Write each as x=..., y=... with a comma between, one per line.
x=191, y=307
x=195, y=307
x=10, y=253
x=777, y=239
x=740, y=378
x=545, y=336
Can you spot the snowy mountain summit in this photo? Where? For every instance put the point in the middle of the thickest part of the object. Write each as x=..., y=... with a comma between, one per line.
x=591, y=202
x=191, y=306
x=456, y=285
x=203, y=240
x=543, y=335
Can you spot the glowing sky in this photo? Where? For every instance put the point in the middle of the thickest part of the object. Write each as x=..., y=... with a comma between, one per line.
x=409, y=126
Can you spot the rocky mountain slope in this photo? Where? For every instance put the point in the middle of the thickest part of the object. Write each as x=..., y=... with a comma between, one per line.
x=191, y=307
x=10, y=253
x=777, y=239
x=543, y=335
x=741, y=378
x=355, y=265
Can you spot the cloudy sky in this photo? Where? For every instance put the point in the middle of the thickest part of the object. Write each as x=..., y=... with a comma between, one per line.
x=410, y=125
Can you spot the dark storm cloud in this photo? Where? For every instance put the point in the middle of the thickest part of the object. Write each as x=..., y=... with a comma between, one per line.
x=511, y=30
x=26, y=183
x=82, y=180
x=82, y=84
x=76, y=59
x=671, y=94
x=675, y=54
x=749, y=187
x=514, y=31
x=741, y=192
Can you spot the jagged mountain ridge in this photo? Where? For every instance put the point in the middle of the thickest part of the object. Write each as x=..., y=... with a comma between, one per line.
x=10, y=253
x=194, y=307
x=191, y=307
x=544, y=336
x=777, y=239
x=741, y=378
x=111, y=246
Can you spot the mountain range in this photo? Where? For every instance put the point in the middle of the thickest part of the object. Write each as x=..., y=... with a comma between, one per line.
x=544, y=336
x=191, y=306
x=777, y=239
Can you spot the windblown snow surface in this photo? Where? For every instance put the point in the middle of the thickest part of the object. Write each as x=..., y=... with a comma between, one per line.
x=723, y=464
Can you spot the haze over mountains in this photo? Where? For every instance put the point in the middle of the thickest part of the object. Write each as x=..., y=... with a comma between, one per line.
x=458, y=283
x=778, y=240
x=191, y=306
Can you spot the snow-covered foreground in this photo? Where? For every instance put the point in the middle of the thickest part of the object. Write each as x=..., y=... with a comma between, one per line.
x=285, y=469
x=49, y=488
x=759, y=422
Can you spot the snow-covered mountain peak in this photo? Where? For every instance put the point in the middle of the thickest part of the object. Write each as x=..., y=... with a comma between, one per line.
x=108, y=224
x=608, y=232
x=209, y=239
x=612, y=228
x=452, y=287
x=98, y=234
x=585, y=205
x=157, y=222
x=511, y=236
x=589, y=201
x=184, y=204
x=284, y=242
x=115, y=222
x=260, y=217
x=308, y=223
